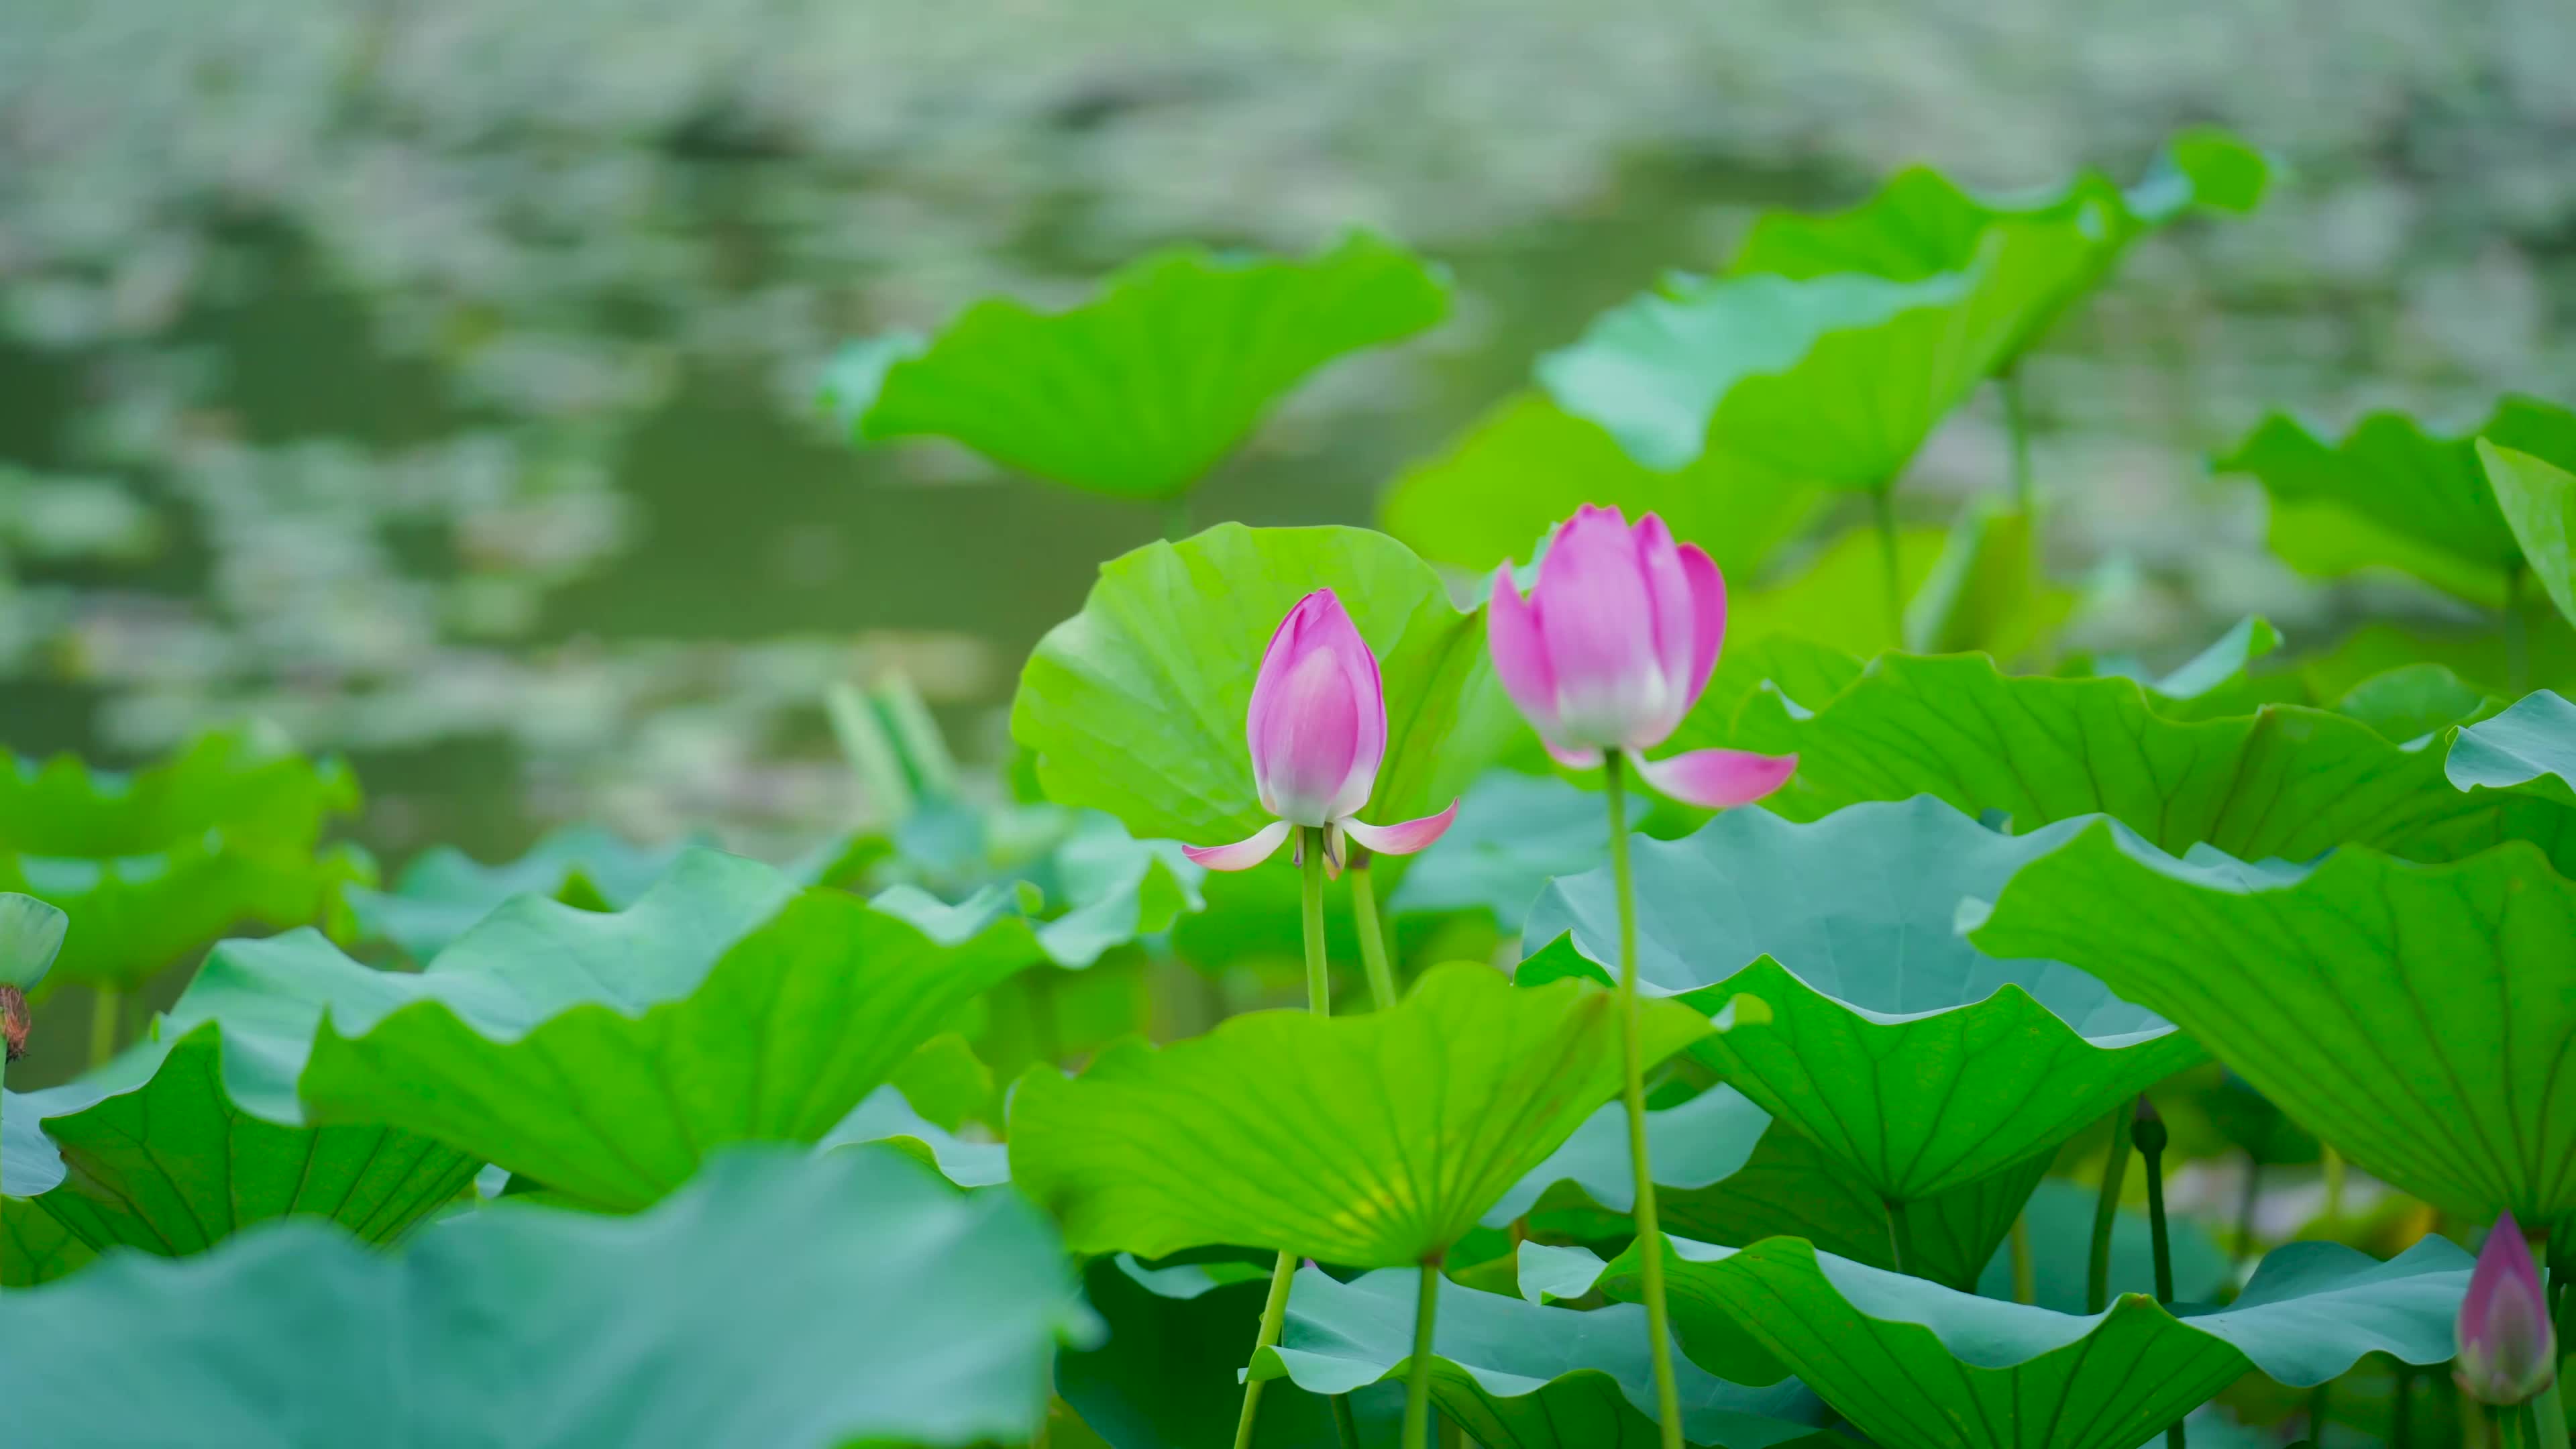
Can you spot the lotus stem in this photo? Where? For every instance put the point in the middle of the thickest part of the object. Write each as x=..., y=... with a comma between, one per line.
x=1381, y=975
x=2025, y=1272
x=1346, y=1425
x=1895, y=1233
x=2017, y=424
x=1274, y=1313
x=2148, y=1133
x=2106, y=1210
x=2245, y=1203
x=1319, y=1000
x=1176, y=517
x=1417, y=1383
x=1650, y=1238
x=2549, y=1417
x=2517, y=641
x=1882, y=504
x=105, y=1009
x=2401, y=1408
x=2330, y=1163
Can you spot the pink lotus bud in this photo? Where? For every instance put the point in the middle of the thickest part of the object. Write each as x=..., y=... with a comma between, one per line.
x=1317, y=728
x=2508, y=1352
x=1612, y=649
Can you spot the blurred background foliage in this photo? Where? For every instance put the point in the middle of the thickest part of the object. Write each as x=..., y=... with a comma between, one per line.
x=435, y=380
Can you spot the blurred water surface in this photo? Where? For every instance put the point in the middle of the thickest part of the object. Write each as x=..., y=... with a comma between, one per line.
x=435, y=379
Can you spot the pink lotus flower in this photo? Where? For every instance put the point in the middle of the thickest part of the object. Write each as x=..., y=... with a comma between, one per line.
x=1317, y=727
x=1612, y=649
x=2508, y=1352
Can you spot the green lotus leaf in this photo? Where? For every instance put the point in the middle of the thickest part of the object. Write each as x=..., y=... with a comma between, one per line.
x=1837, y=379
x=2538, y=500
x=2412, y=701
x=1170, y=1373
x=2420, y=1018
x=2288, y=781
x=1119, y=888
x=1920, y=1062
x=2480, y=654
x=1432, y=1110
x=31, y=936
x=156, y=1153
x=1913, y=1363
x=151, y=866
x=35, y=1247
x=1515, y=1375
x=2529, y=747
x=805, y=1301
x=1145, y=388
x=1513, y=834
x=885, y=1116
x=443, y=891
x=1726, y=1172
x=1921, y=223
x=2060, y=1214
x=2389, y=494
x=603, y=1054
x=1527, y=465
x=1135, y=706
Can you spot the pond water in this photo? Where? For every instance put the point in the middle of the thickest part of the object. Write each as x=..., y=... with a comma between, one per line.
x=363, y=373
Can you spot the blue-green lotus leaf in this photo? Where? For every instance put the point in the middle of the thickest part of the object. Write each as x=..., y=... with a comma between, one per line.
x=1516, y=1375
x=781, y=1299
x=1921, y=1062
x=1910, y=1362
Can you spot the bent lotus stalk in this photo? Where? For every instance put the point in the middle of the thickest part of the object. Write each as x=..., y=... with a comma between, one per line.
x=1316, y=729
x=1606, y=656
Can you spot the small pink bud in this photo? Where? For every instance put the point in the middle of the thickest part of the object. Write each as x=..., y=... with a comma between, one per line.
x=2508, y=1352
x=1615, y=645
x=1317, y=732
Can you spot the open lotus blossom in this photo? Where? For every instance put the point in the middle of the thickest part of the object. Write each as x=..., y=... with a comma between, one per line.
x=1612, y=649
x=2508, y=1351
x=1317, y=728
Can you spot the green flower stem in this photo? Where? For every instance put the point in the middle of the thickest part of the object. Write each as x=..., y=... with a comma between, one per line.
x=1319, y=980
x=104, y=1010
x=1346, y=1424
x=1668, y=1407
x=1381, y=975
x=2549, y=1416
x=2401, y=1412
x=1319, y=1000
x=1882, y=505
x=1274, y=1313
x=2017, y=424
x=2517, y=642
x=1896, y=1234
x=2245, y=1204
x=1417, y=1382
x=2106, y=1209
x=1176, y=517
x=2025, y=1272
x=2150, y=1136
